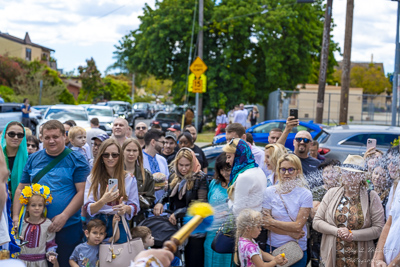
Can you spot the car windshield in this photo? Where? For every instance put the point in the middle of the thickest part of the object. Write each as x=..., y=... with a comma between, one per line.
x=62, y=114
x=168, y=116
x=139, y=106
x=100, y=112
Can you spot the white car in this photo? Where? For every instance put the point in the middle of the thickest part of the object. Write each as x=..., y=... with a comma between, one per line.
x=64, y=113
x=105, y=114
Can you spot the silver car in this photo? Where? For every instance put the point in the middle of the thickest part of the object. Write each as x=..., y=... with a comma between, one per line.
x=340, y=141
x=105, y=114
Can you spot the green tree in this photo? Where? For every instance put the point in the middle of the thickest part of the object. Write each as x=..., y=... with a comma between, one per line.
x=91, y=81
x=156, y=87
x=9, y=71
x=115, y=88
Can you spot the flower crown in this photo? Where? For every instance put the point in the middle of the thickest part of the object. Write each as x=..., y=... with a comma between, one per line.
x=35, y=189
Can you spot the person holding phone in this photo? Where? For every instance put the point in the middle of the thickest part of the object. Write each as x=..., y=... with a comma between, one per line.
x=101, y=200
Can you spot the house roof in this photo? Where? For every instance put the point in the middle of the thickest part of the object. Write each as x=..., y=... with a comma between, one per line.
x=27, y=41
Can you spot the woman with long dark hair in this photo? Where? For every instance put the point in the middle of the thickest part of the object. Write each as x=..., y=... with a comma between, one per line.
x=103, y=202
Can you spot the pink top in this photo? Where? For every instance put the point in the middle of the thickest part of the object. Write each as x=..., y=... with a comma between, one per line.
x=247, y=249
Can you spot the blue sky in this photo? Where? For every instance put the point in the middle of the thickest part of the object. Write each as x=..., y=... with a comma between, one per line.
x=81, y=29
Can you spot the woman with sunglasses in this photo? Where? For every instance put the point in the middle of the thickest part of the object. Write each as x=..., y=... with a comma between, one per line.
x=13, y=142
x=217, y=196
x=32, y=144
x=188, y=184
x=287, y=206
x=101, y=201
x=133, y=162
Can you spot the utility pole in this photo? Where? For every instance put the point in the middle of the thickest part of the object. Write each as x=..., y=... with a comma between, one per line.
x=324, y=62
x=40, y=91
x=199, y=99
x=396, y=69
x=133, y=88
x=346, y=64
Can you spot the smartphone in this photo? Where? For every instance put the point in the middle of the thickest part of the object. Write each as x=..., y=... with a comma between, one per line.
x=371, y=143
x=21, y=243
x=111, y=183
x=294, y=112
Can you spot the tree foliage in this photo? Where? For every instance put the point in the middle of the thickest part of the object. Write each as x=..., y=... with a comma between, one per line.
x=251, y=47
x=116, y=88
x=371, y=79
x=91, y=81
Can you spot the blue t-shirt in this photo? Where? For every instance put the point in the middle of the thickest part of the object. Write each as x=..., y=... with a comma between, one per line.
x=86, y=255
x=25, y=115
x=61, y=180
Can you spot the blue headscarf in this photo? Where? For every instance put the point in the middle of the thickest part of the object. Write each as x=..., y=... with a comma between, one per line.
x=20, y=159
x=244, y=160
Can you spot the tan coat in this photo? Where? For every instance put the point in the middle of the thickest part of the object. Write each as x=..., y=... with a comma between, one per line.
x=324, y=222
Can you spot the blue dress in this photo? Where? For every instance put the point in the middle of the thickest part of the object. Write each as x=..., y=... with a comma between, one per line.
x=217, y=196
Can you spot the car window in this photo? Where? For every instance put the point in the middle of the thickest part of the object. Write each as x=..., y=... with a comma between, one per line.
x=211, y=162
x=140, y=106
x=299, y=128
x=100, y=112
x=168, y=116
x=8, y=109
x=361, y=139
x=66, y=114
x=266, y=128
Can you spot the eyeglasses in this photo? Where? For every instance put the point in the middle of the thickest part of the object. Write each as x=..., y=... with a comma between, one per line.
x=289, y=170
x=162, y=142
x=299, y=139
x=13, y=134
x=141, y=128
x=31, y=145
x=107, y=155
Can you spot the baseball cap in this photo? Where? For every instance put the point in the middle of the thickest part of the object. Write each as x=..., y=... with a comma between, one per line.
x=170, y=135
x=101, y=137
x=175, y=127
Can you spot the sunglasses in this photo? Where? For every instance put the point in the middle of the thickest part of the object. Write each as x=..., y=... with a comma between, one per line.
x=299, y=139
x=289, y=170
x=141, y=128
x=107, y=155
x=13, y=134
x=31, y=145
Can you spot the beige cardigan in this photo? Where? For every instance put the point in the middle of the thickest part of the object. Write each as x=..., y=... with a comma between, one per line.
x=324, y=222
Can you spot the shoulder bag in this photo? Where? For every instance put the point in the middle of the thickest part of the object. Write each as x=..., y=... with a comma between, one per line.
x=119, y=255
x=223, y=243
x=51, y=165
x=292, y=250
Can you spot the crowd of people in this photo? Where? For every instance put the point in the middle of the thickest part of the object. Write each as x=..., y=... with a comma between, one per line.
x=73, y=189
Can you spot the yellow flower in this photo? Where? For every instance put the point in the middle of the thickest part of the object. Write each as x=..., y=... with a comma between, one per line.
x=36, y=188
x=46, y=190
x=23, y=200
x=50, y=199
x=27, y=191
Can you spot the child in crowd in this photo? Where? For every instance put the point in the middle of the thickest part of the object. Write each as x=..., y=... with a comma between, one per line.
x=248, y=226
x=77, y=137
x=145, y=234
x=33, y=227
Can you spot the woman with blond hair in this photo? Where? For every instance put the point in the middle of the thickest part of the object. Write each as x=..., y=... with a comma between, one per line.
x=254, y=114
x=349, y=217
x=247, y=181
x=221, y=122
x=103, y=202
x=187, y=184
x=287, y=206
x=133, y=162
x=272, y=153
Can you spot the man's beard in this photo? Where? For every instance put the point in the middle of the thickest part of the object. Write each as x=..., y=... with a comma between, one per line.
x=140, y=136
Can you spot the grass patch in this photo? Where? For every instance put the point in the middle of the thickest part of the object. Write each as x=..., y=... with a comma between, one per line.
x=205, y=137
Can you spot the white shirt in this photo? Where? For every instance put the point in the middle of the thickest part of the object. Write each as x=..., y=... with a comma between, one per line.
x=131, y=190
x=389, y=203
x=249, y=188
x=299, y=197
x=392, y=245
x=221, y=119
x=240, y=116
x=4, y=236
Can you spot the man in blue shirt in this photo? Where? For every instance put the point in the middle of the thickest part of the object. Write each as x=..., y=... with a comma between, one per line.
x=67, y=184
x=26, y=109
x=152, y=160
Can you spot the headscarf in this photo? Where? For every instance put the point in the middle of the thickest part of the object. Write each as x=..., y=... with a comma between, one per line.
x=19, y=161
x=182, y=183
x=244, y=160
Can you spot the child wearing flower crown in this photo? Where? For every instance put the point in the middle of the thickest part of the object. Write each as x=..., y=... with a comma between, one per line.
x=33, y=227
x=248, y=226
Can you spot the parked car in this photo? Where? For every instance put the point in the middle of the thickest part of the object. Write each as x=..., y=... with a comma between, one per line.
x=260, y=132
x=13, y=112
x=166, y=119
x=63, y=113
x=41, y=108
x=105, y=114
x=142, y=110
x=339, y=141
x=123, y=109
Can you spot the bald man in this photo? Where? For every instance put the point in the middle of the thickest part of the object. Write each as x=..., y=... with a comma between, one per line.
x=119, y=129
x=302, y=143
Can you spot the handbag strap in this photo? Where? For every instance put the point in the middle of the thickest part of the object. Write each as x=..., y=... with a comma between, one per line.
x=51, y=165
x=284, y=204
x=128, y=233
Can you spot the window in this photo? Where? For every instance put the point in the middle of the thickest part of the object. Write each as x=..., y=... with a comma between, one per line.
x=361, y=139
x=266, y=128
x=28, y=54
